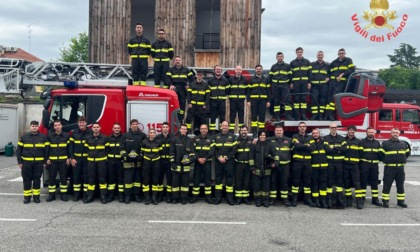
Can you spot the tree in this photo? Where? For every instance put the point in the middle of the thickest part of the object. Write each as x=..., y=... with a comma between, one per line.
x=78, y=49
x=401, y=77
x=405, y=57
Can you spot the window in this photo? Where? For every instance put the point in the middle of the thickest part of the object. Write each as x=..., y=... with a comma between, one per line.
x=411, y=115
x=207, y=25
x=385, y=115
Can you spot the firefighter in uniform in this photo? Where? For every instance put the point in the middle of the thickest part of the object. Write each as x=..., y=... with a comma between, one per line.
x=97, y=146
x=58, y=160
x=177, y=78
x=340, y=70
x=218, y=91
x=139, y=50
x=319, y=170
x=302, y=165
x=237, y=93
x=130, y=153
x=301, y=76
x=79, y=158
x=242, y=171
x=369, y=165
x=280, y=79
x=151, y=148
x=115, y=169
x=162, y=52
x=395, y=153
x=351, y=172
x=258, y=98
x=335, y=147
x=283, y=145
x=165, y=139
x=262, y=163
x=198, y=98
x=319, y=86
x=225, y=151
x=182, y=155
x=31, y=157
x=204, y=149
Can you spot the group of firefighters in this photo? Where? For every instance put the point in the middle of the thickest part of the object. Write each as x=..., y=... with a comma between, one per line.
x=297, y=79
x=136, y=163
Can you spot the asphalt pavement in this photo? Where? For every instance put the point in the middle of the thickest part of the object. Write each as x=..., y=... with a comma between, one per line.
x=71, y=226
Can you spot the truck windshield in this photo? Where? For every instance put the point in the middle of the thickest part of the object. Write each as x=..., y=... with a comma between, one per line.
x=411, y=115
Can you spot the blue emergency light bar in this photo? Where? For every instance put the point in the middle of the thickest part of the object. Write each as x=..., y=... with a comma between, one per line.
x=71, y=84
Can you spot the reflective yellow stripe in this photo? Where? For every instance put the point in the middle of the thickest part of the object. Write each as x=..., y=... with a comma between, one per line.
x=33, y=158
x=352, y=159
x=97, y=159
x=114, y=156
x=335, y=157
x=98, y=147
x=258, y=96
x=301, y=157
x=33, y=145
x=370, y=161
x=151, y=159
x=237, y=96
x=394, y=164
x=57, y=157
x=81, y=154
x=319, y=165
x=243, y=150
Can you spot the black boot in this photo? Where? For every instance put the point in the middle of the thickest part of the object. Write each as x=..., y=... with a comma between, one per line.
x=209, y=200
x=258, y=202
x=137, y=198
x=294, y=199
x=159, y=197
x=51, y=197
x=323, y=201
x=89, y=197
x=402, y=204
x=340, y=200
x=246, y=201
x=218, y=197
x=308, y=201
x=238, y=201
x=26, y=199
x=317, y=203
x=76, y=196
x=349, y=201
x=359, y=203
x=174, y=200
x=111, y=195
x=272, y=201
x=385, y=203
x=127, y=199
x=85, y=196
x=183, y=201
x=103, y=198
x=146, y=198
x=266, y=202
x=375, y=201
x=286, y=202
x=193, y=199
x=36, y=199
x=121, y=197
x=154, y=199
x=168, y=198
x=229, y=198
x=64, y=197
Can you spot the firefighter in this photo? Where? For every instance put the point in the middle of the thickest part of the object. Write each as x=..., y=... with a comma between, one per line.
x=302, y=169
x=225, y=151
x=31, y=157
x=280, y=77
x=58, y=160
x=139, y=50
x=115, y=169
x=242, y=171
x=319, y=86
x=395, y=153
x=204, y=149
x=198, y=98
x=351, y=172
x=258, y=98
x=151, y=148
x=130, y=153
x=97, y=146
x=283, y=145
x=78, y=158
x=177, y=78
x=162, y=52
x=165, y=165
x=262, y=163
x=218, y=88
x=369, y=165
x=340, y=70
x=319, y=163
x=237, y=93
x=335, y=147
x=182, y=155
x=301, y=83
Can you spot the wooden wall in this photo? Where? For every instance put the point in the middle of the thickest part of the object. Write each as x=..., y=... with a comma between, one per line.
x=207, y=59
x=240, y=35
x=109, y=31
x=177, y=17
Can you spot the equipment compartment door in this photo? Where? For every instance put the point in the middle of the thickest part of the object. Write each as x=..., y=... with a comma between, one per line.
x=151, y=114
x=351, y=108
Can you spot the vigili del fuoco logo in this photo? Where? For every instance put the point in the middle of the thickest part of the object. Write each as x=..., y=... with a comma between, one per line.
x=378, y=18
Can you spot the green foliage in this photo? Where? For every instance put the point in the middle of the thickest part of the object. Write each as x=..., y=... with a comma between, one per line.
x=401, y=77
x=78, y=49
x=405, y=56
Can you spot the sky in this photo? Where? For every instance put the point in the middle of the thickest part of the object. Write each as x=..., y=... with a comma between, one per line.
x=325, y=25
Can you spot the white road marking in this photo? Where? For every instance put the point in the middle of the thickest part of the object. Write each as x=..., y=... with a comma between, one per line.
x=18, y=194
x=19, y=179
x=416, y=183
x=199, y=222
x=1, y=177
x=383, y=225
x=2, y=219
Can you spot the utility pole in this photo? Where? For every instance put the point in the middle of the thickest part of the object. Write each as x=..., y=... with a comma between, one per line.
x=29, y=35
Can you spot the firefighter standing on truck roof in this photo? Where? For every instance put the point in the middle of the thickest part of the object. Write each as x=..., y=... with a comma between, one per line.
x=242, y=166
x=97, y=146
x=340, y=70
x=198, y=98
x=115, y=169
x=31, y=157
x=79, y=158
x=177, y=78
x=395, y=153
x=280, y=79
x=237, y=93
x=319, y=86
x=151, y=148
x=131, y=155
x=58, y=159
x=165, y=163
x=139, y=50
x=301, y=83
x=162, y=52
x=319, y=163
x=218, y=93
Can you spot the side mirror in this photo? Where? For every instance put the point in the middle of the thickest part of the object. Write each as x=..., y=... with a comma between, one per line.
x=46, y=94
x=47, y=103
x=46, y=118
